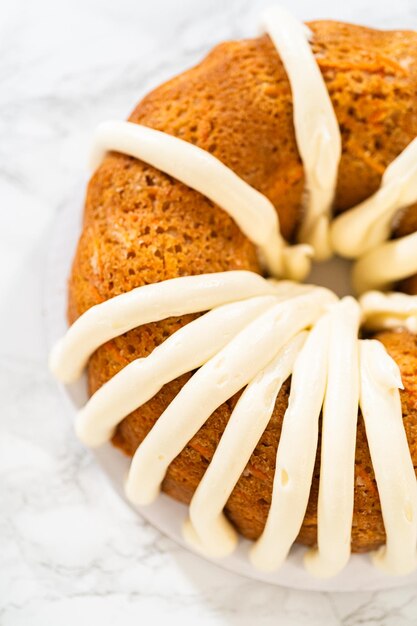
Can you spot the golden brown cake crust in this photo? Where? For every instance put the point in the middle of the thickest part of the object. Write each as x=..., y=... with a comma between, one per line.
x=141, y=226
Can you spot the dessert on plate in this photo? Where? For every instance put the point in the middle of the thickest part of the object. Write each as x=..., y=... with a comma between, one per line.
x=276, y=410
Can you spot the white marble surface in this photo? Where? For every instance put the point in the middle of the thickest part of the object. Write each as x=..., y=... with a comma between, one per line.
x=70, y=550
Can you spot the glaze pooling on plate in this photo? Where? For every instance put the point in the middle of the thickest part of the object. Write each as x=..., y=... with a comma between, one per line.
x=258, y=332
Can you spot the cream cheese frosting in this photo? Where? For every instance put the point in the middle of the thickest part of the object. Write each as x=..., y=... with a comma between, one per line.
x=362, y=232
x=386, y=264
x=151, y=303
x=338, y=443
x=294, y=472
x=216, y=381
x=186, y=350
x=316, y=127
x=207, y=529
x=389, y=310
x=369, y=224
x=394, y=472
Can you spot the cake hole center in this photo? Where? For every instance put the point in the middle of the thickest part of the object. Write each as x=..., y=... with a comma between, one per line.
x=335, y=274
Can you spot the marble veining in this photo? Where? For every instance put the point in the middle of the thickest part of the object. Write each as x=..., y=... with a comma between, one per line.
x=70, y=550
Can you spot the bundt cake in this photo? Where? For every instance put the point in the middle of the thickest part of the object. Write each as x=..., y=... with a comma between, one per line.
x=277, y=413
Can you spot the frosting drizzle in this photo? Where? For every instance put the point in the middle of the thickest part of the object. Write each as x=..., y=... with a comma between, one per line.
x=294, y=472
x=338, y=443
x=151, y=303
x=386, y=264
x=219, y=379
x=395, y=476
x=207, y=529
x=389, y=310
x=369, y=223
x=316, y=127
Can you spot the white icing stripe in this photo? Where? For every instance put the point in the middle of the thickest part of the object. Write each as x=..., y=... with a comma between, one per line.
x=338, y=443
x=214, y=383
x=151, y=303
x=386, y=264
x=370, y=223
x=208, y=529
x=362, y=231
x=187, y=349
x=296, y=451
x=316, y=127
x=389, y=310
x=252, y=211
x=394, y=471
